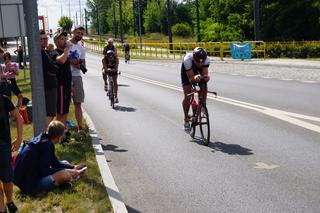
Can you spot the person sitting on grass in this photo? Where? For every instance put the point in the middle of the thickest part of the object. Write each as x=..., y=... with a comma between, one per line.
x=38, y=169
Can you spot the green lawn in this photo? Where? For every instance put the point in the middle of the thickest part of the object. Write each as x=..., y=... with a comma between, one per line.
x=88, y=194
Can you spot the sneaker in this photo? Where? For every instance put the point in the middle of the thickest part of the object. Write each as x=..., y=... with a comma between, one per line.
x=11, y=207
x=116, y=100
x=187, y=127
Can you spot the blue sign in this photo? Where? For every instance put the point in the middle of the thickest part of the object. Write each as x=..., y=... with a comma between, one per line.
x=241, y=51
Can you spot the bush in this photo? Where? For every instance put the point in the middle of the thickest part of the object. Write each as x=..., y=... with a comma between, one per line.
x=293, y=49
x=181, y=29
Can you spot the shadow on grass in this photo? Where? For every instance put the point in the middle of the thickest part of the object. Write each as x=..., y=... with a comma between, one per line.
x=231, y=149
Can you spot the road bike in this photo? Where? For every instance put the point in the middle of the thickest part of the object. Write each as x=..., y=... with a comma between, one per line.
x=200, y=114
x=111, y=92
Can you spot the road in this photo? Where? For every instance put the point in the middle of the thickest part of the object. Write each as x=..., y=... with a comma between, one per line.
x=264, y=149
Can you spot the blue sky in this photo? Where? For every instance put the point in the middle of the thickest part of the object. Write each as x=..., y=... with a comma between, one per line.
x=52, y=9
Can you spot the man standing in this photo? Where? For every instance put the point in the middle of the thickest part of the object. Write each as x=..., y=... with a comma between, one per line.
x=77, y=61
x=6, y=173
x=60, y=56
x=50, y=71
x=19, y=53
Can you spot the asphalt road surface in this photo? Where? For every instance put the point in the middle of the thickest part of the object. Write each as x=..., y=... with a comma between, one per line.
x=264, y=150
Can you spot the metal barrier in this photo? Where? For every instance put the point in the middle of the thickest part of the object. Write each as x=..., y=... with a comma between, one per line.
x=162, y=51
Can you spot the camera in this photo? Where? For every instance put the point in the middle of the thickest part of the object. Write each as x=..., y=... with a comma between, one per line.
x=83, y=68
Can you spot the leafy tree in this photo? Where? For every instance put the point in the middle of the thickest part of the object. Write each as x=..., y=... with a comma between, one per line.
x=65, y=23
x=181, y=29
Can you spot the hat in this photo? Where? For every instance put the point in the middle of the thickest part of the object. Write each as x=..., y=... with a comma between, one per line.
x=110, y=40
x=58, y=34
x=79, y=27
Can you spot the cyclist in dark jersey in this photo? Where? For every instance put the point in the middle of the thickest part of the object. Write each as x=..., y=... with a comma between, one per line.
x=111, y=61
x=194, y=69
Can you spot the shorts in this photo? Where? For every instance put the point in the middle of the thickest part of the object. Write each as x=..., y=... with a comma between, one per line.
x=64, y=99
x=5, y=88
x=78, y=92
x=45, y=184
x=14, y=87
x=6, y=173
x=184, y=78
x=51, y=102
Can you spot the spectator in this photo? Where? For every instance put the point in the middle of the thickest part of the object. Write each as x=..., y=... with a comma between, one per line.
x=9, y=72
x=19, y=53
x=110, y=46
x=6, y=173
x=126, y=49
x=37, y=167
x=60, y=55
x=50, y=48
x=77, y=61
x=50, y=71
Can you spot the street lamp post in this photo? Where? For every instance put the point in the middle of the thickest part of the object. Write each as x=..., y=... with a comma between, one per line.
x=121, y=25
x=256, y=15
x=169, y=25
x=198, y=21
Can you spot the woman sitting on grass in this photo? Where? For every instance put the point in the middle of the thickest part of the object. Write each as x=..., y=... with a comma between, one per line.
x=37, y=168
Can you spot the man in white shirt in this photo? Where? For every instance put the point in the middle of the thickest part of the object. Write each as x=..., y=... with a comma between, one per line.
x=77, y=60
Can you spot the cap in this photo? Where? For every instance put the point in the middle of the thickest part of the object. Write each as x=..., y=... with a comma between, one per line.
x=110, y=40
x=79, y=27
x=58, y=34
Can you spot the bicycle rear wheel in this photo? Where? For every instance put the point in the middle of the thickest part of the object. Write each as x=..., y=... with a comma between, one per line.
x=204, y=125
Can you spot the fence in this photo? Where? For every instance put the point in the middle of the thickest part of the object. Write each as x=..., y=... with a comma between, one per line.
x=162, y=50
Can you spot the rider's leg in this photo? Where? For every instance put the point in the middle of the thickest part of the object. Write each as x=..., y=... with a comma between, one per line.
x=186, y=101
x=105, y=79
x=115, y=84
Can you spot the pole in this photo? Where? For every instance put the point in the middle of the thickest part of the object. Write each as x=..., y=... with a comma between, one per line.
x=256, y=15
x=69, y=11
x=139, y=11
x=198, y=21
x=134, y=19
x=121, y=24
x=169, y=25
x=37, y=87
x=114, y=20
x=86, y=20
x=80, y=19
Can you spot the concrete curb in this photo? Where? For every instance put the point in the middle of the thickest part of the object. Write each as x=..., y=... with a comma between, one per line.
x=111, y=187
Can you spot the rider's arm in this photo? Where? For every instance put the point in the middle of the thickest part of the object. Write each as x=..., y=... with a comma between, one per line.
x=117, y=63
x=205, y=74
x=193, y=78
x=104, y=64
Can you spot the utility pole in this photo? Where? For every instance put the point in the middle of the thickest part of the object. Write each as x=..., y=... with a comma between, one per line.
x=80, y=19
x=121, y=24
x=140, y=33
x=169, y=24
x=69, y=11
x=37, y=86
x=198, y=21
x=86, y=20
x=134, y=18
x=114, y=21
x=256, y=15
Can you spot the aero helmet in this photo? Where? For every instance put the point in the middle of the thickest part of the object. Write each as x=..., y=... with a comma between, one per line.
x=199, y=54
x=110, y=53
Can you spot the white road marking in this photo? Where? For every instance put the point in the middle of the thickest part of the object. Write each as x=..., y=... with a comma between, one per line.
x=289, y=117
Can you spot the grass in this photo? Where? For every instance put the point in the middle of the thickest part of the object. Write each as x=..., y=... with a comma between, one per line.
x=88, y=194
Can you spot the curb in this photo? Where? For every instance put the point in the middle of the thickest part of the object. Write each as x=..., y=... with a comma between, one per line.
x=111, y=187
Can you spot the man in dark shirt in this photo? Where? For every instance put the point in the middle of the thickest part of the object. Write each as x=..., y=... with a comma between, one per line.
x=60, y=56
x=6, y=174
x=50, y=71
x=38, y=168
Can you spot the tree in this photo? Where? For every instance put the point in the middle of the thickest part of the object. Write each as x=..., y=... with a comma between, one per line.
x=65, y=23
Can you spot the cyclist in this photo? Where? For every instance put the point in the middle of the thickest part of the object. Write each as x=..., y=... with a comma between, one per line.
x=194, y=69
x=110, y=46
x=111, y=61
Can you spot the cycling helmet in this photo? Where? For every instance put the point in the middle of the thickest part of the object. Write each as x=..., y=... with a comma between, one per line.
x=110, y=40
x=199, y=54
x=110, y=54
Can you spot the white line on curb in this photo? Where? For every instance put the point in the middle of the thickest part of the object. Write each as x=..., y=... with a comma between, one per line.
x=111, y=187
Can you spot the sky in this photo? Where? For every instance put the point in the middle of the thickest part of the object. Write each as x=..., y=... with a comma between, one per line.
x=52, y=9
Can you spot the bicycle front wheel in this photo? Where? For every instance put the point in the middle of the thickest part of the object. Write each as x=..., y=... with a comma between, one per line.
x=204, y=125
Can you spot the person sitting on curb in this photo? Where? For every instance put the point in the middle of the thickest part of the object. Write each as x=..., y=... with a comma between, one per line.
x=38, y=169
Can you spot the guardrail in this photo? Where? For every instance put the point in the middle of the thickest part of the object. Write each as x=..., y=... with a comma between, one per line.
x=162, y=50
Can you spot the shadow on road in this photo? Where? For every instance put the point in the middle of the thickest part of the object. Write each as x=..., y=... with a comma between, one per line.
x=112, y=148
x=123, y=85
x=132, y=210
x=124, y=109
x=231, y=149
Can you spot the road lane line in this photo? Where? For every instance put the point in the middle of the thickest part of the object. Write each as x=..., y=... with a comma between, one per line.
x=289, y=117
